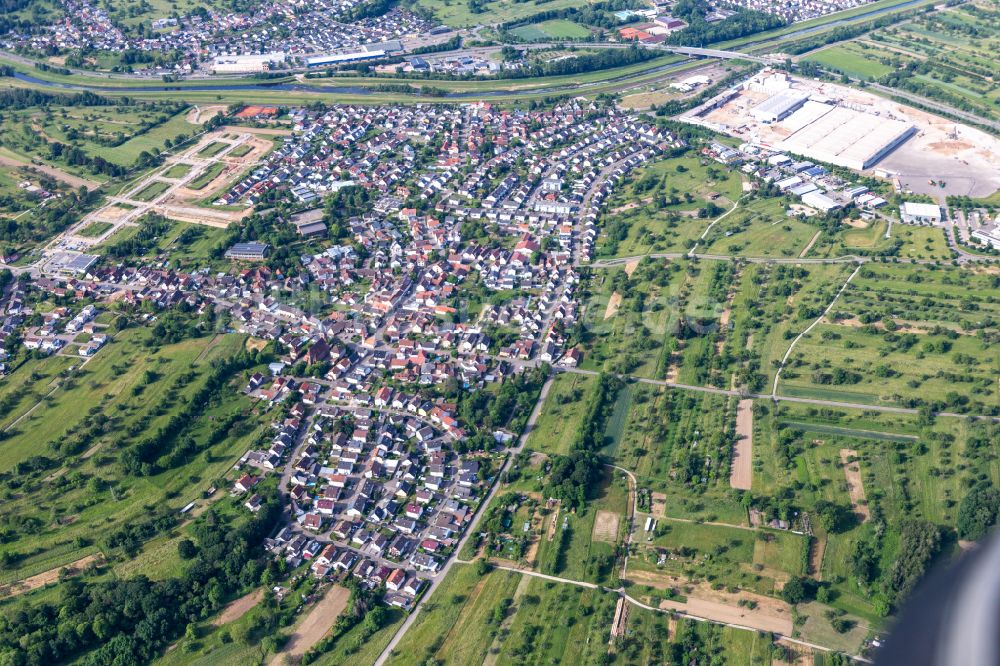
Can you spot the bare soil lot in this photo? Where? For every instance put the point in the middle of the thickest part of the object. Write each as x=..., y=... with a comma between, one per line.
x=315, y=626
x=239, y=607
x=606, y=526
x=741, y=474
x=46, y=577
x=199, y=115
x=613, y=304
x=854, y=485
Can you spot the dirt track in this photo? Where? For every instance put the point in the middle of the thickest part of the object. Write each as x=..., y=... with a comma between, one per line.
x=741, y=475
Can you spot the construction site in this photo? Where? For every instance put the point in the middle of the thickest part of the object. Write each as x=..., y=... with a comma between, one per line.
x=856, y=129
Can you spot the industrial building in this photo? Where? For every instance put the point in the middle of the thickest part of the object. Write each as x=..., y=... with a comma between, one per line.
x=247, y=64
x=777, y=107
x=248, y=251
x=920, y=213
x=988, y=236
x=341, y=58
x=819, y=201
x=843, y=136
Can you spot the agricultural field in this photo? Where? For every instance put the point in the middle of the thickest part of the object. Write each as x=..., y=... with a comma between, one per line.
x=665, y=439
x=561, y=415
x=771, y=306
x=948, y=56
x=502, y=617
x=760, y=228
x=855, y=59
x=460, y=622
x=634, y=314
x=905, y=335
x=665, y=206
x=905, y=470
x=116, y=133
x=552, y=29
x=65, y=442
x=753, y=560
x=583, y=543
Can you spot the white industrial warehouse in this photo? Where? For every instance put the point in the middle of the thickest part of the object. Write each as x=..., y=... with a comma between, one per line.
x=814, y=120
x=843, y=136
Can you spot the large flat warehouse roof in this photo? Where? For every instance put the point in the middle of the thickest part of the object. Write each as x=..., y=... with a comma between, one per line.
x=846, y=137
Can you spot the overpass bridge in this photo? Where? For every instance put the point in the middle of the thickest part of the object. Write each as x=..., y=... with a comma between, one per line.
x=712, y=53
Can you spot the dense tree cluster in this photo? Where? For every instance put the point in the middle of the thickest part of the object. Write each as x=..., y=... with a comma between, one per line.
x=978, y=512
x=128, y=622
x=919, y=544
x=702, y=33
x=157, y=451
x=573, y=478
x=44, y=222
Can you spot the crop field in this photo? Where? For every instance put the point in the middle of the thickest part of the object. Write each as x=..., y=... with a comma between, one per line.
x=706, y=296
x=562, y=414
x=866, y=238
x=944, y=55
x=854, y=59
x=892, y=368
x=552, y=29
x=924, y=243
x=751, y=559
x=772, y=304
x=504, y=616
x=666, y=205
x=458, y=624
x=665, y=438
x=923, y=297
x=65, y=449
x=28, y=382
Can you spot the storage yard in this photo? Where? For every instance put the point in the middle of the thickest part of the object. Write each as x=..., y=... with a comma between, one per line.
x=855, y=129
